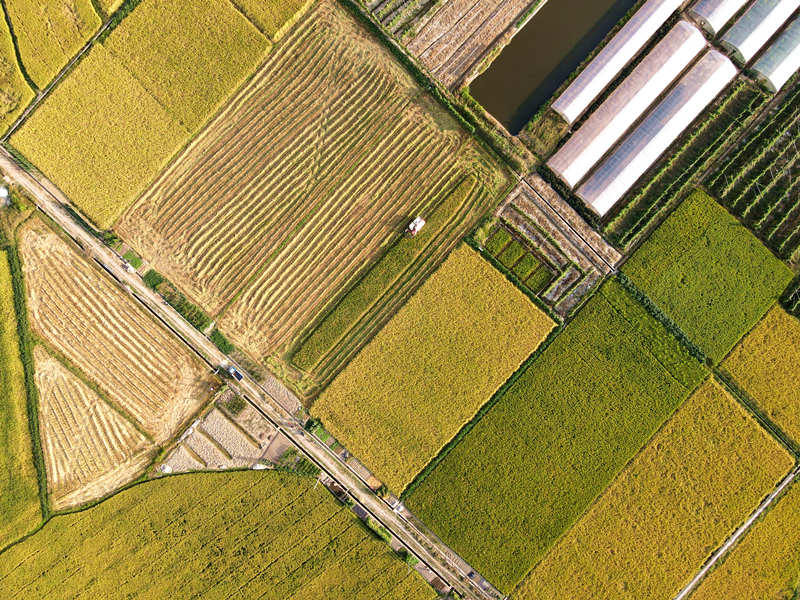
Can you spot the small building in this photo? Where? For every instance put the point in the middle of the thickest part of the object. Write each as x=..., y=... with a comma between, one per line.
x=5, y=196
x=610, y=61
x=683, y=103
x=756, y=26
x=713, y=15
x=781, y=60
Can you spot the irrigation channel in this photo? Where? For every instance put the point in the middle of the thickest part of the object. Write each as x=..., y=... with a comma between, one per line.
x=543, y=55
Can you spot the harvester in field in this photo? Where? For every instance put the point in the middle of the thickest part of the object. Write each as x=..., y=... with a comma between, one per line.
x=415, y=226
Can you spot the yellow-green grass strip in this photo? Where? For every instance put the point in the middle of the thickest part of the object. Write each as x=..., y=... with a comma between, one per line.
x=49, y=33
x=20, y=510
x=100, y=136
x=766, y=365
x=708, y=274
x=269, y=534
x=432, y=367
x=378, y=279
x=15, y=93
x=189, y=54
x=557, y=437
x=273, y=17
x=766, y=562
x=678, y=500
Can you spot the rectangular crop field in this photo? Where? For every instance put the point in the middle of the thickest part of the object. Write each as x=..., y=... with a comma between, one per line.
x=15, y=93
x=137, y=363
x=766, y=562
x=557, y=437
x=300, y=180
x=432, y=367
x=708, y=274
x=264, y=535
x=677, y=501
x=90, y=449
x=273, y=17
x=19, y=488
x=766, y=365
x=49, y=33
x=133, y=102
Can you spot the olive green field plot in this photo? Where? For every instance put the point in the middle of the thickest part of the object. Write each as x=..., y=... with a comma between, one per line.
x=15, y=93
x=262, y=534
x=765, y=565
x=653, y=528
x=49, y=33
x=431, y=368
x=556, y=437
x=19, y=490
x=115, y=121
x=766, y=365
x=708, y=274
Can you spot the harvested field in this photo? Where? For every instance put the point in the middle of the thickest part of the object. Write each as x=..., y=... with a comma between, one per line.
x=90, y=449
x=117, y=136
x=138, y=364
x=200, y=51
x=19, y=490
x=672, y=506
x=765, y=565
x=49, y=33
x=15, y=93
x=456, y=36
x=556, y=437
x=679, y=499
x=708, y=274
x=765, y=365
x=259, y=534
x=408, y=393
x=299, y=182
x=273, y=17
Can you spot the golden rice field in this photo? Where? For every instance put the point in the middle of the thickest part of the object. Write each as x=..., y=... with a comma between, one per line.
x=273, y=17
x=115, y=121
x=300, y=180
x=89, y=448
x=765, y=565
x=267, y=535
x=109, y=6
x=696, y=481
x=139, y=365
x=100, y=136
x=197, y=53
x=49, y=33
x=19, y=492
x=765, y=365
x=432, y=367
x=15, y=93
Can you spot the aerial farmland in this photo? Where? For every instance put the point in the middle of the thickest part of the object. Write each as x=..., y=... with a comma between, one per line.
x=399, y=299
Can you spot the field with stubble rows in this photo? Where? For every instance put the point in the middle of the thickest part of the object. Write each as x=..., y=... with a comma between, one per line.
x=300, y=181
x=138, y=364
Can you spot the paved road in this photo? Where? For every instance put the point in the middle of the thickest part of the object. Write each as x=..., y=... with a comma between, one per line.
x=431, y=552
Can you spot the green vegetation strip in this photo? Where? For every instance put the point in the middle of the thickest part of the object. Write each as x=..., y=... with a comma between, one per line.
x=377, y=280
x=268, y=534
x=708, y=274
x=556, y=437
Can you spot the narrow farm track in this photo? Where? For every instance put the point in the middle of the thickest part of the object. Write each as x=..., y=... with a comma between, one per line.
x=141, y=368
x=89, y=448
x=294, y=188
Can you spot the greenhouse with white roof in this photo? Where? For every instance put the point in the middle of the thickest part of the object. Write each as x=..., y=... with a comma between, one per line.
x=608, y=63
x=713, y=15
x=756, y=26
x=782, y=58
x=662, y=126
x=637, y=92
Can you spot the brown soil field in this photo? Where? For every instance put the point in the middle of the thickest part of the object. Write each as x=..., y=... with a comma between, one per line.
x=461, y=32
x=300, y=181
x=138, y=364
x=89, y=448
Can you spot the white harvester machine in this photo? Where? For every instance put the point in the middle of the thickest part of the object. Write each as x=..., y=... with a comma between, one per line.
x=415, y=226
